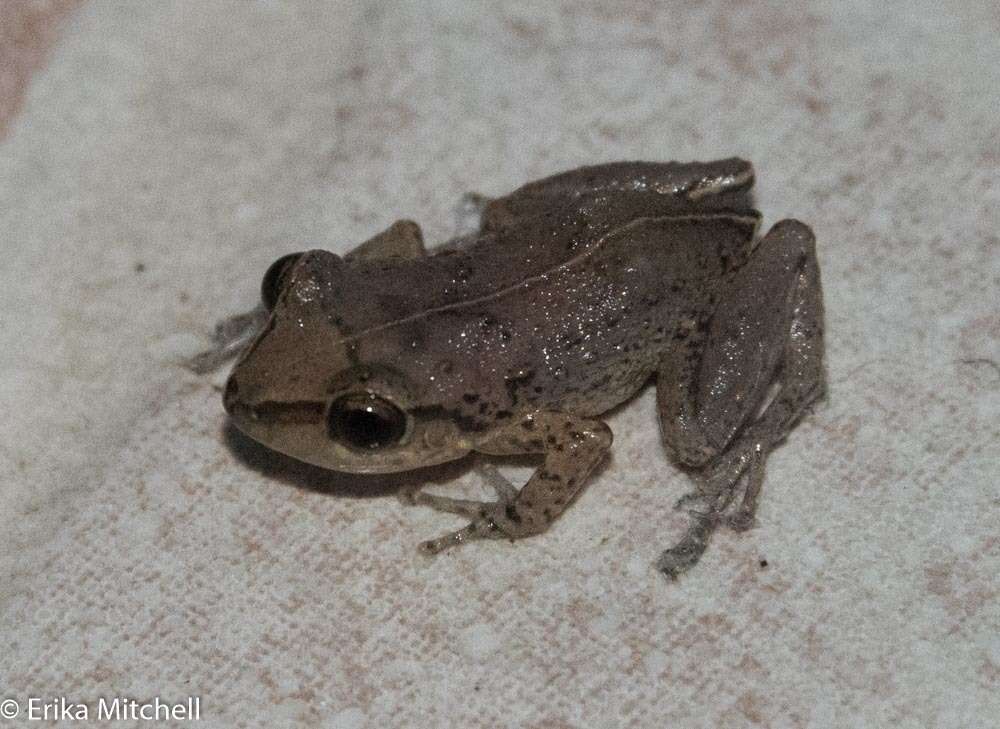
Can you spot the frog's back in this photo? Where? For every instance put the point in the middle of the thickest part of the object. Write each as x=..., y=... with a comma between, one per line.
x=530, y=233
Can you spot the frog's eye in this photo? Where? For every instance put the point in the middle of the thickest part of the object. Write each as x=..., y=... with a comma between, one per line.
x=275, y=279
x=366, y=421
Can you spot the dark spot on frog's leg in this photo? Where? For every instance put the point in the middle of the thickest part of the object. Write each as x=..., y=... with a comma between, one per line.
x=470, y=397
x=483, y=408
x=503, y=414
x=528, y=425
x=512, y=514
x=551, y=440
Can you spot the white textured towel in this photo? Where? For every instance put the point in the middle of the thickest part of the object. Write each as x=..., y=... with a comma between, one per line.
x=171, y=150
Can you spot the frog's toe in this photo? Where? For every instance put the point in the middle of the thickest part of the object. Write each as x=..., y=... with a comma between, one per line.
x=463, y=507
x=743, y=520
x=685, y=554
x=506, y=491
x=695, y=502
x=452, y=539
x=408, y=495
x=478, y=529
x=206, y=362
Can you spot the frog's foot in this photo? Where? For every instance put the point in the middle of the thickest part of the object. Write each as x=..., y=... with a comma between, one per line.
x=230, y=337
x=740, y=468
x=469, y=213
x=710, y=505
x=490, y=520
x=685, y=554
x=572, y=446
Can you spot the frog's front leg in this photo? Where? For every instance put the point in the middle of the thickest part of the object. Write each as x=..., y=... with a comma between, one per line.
x=760, y=367
x=572, y=447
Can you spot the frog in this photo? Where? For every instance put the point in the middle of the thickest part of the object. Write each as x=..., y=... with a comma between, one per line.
x=564, y=299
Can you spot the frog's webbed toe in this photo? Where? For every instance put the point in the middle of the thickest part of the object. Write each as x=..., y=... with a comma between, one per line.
x=230, y=337
x=487, y=517
x=711, y=504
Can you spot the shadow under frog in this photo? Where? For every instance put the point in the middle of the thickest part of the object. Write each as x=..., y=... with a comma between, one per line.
x=516, y=338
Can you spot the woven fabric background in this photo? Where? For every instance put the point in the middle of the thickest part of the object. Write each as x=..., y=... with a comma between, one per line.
x=168, y=151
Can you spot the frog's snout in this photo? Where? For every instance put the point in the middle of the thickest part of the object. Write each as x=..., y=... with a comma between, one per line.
x=230, y=396
x=235, y=403
x=241, y=402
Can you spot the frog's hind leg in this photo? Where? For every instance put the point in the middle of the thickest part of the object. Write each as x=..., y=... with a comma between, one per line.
x=681, y=186
x=760, y=367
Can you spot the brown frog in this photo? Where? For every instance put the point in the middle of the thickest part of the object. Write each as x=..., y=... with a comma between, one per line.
x=573, y=293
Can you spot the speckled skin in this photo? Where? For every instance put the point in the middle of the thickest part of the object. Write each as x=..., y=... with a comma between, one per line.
x=574, y=292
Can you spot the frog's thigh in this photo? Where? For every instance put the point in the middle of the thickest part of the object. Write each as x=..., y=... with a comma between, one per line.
x=769, y=319
x=402, y=239
x=572, y=447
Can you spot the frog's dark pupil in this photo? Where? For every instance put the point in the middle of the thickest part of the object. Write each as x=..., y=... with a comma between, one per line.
x=275, y=279
x=366, y=422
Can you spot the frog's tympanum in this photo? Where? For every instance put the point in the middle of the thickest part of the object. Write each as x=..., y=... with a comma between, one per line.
x=575, y=291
